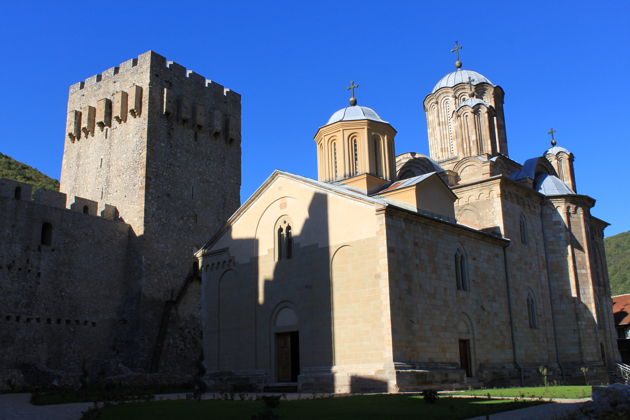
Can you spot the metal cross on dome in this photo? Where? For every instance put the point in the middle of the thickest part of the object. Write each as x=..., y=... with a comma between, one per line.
x=455, y=50
x=553, y=140
x=352, y=87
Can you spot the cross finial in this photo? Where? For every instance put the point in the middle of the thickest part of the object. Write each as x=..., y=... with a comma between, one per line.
x=352, y=87
x=553, y=140
x=455, y=50
x=472, y=87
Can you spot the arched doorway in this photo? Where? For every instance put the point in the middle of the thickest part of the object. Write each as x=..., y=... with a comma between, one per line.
x=287, y=345
x=466, y=342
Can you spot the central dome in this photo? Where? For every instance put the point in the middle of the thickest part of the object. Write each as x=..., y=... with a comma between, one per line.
x=353, y=113
x=461, y=76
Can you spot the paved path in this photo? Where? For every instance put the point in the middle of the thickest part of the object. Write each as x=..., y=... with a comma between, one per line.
x=18, y=407
x=551, y=411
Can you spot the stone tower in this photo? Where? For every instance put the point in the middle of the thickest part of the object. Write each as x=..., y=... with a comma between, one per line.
x=355, y=141
x=162, y=144
x=465, y=117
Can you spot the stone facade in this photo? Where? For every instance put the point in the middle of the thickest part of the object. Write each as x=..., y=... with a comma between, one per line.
x=154, y=149
x=462, y=268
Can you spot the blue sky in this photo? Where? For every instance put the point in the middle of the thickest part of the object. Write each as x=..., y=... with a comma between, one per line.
x=562, y=64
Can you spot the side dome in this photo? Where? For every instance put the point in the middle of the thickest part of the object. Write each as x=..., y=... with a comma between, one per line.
x=353, y=113
x=461, y=76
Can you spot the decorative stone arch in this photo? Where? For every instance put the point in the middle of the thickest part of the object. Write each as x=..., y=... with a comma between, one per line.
x=468, y=165
x=468, y=214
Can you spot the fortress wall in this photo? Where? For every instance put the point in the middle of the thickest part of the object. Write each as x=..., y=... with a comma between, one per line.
x=62, y=303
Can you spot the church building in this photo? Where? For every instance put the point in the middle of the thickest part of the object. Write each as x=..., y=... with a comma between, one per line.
x=397, y=272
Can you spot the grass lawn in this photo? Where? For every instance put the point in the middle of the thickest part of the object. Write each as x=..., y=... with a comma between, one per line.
x=580, y=391
x=359, y=407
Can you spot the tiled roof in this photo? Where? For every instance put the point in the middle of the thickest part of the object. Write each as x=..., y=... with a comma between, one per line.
x=621, y=309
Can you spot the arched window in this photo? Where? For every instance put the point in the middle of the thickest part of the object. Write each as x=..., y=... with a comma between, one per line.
x=279, y=243
x=334, y=150
x=523, y=229
x=531, y=311
x=377, y=153
x=46, y=238
x=461, y=271
x=355, y=153
x=284, y=239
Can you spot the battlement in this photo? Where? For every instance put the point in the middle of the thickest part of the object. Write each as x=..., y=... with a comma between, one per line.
x=19, y=191
x=174, y=68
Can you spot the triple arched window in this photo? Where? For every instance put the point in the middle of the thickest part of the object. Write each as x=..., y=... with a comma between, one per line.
x=284, y=239
x=461, y=271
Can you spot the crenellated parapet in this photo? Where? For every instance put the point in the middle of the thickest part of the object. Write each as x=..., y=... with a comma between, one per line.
x=19, y=191
x=186, y=97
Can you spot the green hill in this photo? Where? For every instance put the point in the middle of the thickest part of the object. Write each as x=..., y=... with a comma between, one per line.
x=18, y=171
x=618, y=258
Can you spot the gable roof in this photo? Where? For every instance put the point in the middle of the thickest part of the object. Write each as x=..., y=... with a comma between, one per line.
x=341, y=190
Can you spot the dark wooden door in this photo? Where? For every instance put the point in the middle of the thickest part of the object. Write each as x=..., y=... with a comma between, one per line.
x=464, y=356
x=288, y=356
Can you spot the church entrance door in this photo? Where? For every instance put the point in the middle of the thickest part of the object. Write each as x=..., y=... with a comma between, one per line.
x=464, y=356
x=288, y=356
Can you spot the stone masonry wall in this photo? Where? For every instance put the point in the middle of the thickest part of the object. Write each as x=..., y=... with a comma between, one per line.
x=429, y=313
x=62, y=296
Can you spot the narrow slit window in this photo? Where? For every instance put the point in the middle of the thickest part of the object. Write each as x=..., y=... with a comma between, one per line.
x=335, y=160
x=355, y=150
x=46, y=237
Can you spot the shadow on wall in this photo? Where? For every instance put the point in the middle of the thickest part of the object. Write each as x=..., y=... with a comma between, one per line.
x=268, y=320
x=301, y=349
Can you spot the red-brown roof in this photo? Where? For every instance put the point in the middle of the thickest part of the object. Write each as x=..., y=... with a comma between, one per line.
x=621, y=309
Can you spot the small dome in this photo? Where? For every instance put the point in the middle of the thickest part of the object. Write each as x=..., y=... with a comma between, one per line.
x=353, y=113
x=471, y=102
x=555, y=150
x=460, y=76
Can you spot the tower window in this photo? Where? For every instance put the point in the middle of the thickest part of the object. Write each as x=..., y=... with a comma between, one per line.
x=46, y=237
x=355, y=151
x=17, y=194
x=86, y=210
x=334, y=147
x=377, y=152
